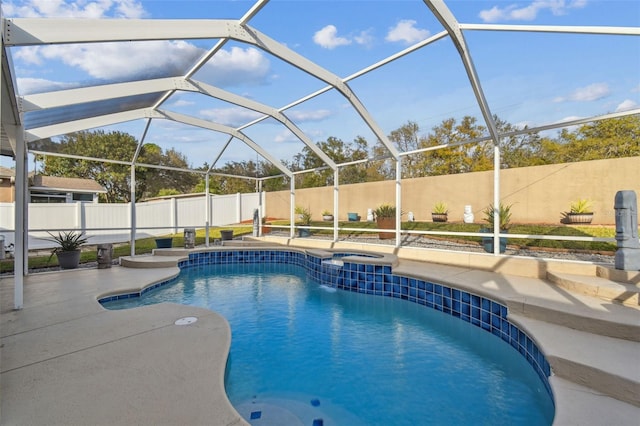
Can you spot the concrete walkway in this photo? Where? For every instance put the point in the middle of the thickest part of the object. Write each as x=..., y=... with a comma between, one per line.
x=68, y=361
x=87, y=365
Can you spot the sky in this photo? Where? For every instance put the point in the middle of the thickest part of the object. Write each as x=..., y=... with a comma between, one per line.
x=528, y=78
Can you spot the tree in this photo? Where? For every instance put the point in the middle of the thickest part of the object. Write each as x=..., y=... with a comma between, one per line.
x=455, y=157
x=612, y=138
x=406, y=139
x=165, y=179
x=340, y=152
x=116, y=178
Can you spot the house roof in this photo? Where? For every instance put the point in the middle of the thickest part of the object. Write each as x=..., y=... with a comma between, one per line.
x=51, y=183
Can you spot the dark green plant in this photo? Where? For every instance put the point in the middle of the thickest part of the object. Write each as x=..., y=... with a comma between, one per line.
x=67, y=241
x=504, y=216
x=385, y=210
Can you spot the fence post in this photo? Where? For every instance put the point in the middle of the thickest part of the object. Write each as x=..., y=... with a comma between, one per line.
x=238, y=207
x=80, y=216
x=174, y=214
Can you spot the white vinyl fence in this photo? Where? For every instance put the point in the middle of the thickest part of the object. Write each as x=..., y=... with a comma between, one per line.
x=110, y=223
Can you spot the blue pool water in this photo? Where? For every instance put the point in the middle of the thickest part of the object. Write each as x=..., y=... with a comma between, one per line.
x=303, y=353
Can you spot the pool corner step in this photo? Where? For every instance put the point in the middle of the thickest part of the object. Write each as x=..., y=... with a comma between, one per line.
x=587, y=359
x=624, y=293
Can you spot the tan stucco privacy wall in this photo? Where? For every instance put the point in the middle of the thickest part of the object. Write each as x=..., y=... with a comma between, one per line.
x=537, y=194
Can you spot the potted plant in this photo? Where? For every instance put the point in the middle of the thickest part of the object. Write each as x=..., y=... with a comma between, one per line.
x=439, y=213
x=580, y=212
x=327, y=216
x=386, y=219
x=68, y=249
x=304, y=216
x=165, y=242
x=226, y=234
x=504, y=220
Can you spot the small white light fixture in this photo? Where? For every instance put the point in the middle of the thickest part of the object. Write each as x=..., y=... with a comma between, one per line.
x=186, y=321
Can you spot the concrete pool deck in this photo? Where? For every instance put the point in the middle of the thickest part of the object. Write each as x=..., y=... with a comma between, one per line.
x=66, y=360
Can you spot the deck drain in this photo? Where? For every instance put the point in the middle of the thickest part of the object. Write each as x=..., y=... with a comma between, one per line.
x=186, y=321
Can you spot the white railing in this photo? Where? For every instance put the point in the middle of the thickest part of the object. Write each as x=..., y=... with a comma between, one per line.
x=110, y=223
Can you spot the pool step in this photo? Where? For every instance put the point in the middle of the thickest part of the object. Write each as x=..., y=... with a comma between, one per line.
x=150, y=261
x=605, y=364
x=581, y=312
x=625, y=293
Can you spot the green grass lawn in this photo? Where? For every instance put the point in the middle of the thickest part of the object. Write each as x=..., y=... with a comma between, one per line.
x=552, y=230
x=143, y=246
x=146, y=245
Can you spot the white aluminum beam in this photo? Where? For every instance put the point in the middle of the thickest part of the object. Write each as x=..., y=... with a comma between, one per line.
x=88, y=123
x=449, y=22
x=66, y=97
x=181, y=118
x=264, y=42
x=553, y=29
x=33, y=31
x=267, y=110
x=112, y=91
x=38, y=31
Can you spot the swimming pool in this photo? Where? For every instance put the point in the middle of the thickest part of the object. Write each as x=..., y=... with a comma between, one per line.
x=305, y=352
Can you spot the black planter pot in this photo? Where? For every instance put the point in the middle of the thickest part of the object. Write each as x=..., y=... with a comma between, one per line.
x=68, y=259
x=226, y=234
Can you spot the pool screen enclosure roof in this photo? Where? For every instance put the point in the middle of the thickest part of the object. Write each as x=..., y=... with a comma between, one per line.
x=455, y=42
x=148, y=99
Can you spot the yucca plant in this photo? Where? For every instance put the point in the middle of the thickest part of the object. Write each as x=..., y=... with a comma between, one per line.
x=440, y=208
x=385, y=210
x=504, y=213
x=68, y=249
x=581, y=206
x=67, y=241
x=304, y=214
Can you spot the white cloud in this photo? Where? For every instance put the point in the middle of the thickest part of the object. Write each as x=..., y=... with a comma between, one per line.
x=126, y=61
x=626, y=105
x=233, y=117
x=74, y=9
x=182, y=103
x=406, y=31
x=236, y=67
x=306, y=116
x=592, y=92
x=530, y=12
x=364, y=38
x=286, y=136
x=118, y=61
x=27, y=86
x=328, y=38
